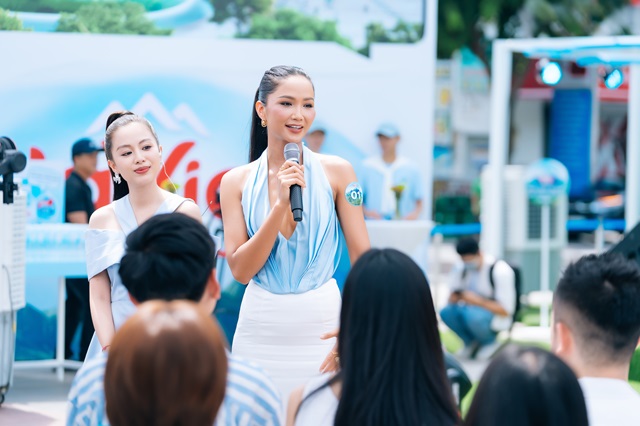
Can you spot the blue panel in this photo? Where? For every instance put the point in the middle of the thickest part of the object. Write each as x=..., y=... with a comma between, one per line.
x=570, y=137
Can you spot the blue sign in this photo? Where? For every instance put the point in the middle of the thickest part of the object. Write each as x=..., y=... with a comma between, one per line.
x=546, y=180
x=570, y=137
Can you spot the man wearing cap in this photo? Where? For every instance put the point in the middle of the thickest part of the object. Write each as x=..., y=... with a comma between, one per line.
x=392, y=184
x=315, y=137
x=78, y=208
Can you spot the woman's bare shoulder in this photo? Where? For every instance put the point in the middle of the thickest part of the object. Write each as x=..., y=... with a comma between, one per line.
x=337, y=167
x=236, y=176
x=104, y=218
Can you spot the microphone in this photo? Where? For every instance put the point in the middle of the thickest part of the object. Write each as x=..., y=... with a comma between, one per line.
x=292, y=152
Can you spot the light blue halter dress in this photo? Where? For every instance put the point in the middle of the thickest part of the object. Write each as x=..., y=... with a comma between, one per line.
x=105, y=248
x=293, y=299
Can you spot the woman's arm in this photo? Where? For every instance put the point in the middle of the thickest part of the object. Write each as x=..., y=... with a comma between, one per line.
x=100, y=304
x=246, y=256
x=100, y=284
x=415, y=214
x=295, y=399
x=351, y=217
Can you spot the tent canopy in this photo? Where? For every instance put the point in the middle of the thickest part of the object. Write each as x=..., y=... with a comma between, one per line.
x=585, y=51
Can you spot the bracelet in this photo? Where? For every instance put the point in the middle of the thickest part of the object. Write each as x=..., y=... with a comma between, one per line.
x=105, y=347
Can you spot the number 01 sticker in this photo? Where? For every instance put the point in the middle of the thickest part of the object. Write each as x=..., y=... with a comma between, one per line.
x=354, y=194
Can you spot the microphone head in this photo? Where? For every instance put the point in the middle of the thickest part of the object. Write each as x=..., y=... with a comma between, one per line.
x=292, y=152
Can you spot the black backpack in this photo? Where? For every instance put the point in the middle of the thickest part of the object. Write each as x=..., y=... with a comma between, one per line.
x=517, y=282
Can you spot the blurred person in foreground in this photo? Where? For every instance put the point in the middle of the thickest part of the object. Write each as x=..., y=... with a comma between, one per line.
x=176, y=353
x=173, y=257
x=392, y=370
x=596, y=327
x=527, y=386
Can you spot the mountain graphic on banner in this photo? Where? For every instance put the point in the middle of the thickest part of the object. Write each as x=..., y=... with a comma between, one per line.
x=150, y=107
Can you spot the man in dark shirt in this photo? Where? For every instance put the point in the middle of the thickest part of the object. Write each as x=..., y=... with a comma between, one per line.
x=79, y=207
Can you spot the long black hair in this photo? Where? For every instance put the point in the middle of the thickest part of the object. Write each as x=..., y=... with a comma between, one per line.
x=269, y=83
x=392, y=367
x=528, y=386
x=114, y=122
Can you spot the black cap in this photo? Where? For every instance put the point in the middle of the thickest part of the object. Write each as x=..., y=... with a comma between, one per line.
x=84, y=146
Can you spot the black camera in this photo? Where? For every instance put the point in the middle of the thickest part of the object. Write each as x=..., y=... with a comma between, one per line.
x=11, y=161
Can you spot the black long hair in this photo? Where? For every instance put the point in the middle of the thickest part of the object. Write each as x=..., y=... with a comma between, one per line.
x=269, y=83
x=114, y=122
x=528, y=386
x=392, y=367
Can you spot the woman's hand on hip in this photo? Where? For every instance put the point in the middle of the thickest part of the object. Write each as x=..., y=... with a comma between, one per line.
x=331, y=362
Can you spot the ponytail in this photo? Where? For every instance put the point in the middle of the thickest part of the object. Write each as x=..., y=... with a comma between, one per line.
x=258, y=141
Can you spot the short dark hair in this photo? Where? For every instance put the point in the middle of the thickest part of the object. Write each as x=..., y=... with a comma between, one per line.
x=548, y=392
x=467, y=246
x=169, y=257
x=599, y=297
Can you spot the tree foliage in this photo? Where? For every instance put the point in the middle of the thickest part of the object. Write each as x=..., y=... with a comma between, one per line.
x=565, y=18
x=109, y=18
x=241, y=10
x=403, y=32
x=465, y=23
x=71, y=6
x=475, y=23
x=10, y=22
x=287, y=24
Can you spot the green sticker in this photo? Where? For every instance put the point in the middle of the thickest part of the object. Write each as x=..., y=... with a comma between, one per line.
x=354, y=194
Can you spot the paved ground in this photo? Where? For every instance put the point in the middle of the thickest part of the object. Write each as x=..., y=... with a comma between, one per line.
x=38, y=398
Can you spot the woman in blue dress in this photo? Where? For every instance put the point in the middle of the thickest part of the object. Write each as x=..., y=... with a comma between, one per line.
x=134, y=156
x=291, y=298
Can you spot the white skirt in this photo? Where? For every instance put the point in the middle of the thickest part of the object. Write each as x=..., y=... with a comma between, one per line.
x=281, y=332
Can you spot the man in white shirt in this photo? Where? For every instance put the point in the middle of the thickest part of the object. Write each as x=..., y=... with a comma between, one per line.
x=391, y=183
x=596, y=327
x=482, y=301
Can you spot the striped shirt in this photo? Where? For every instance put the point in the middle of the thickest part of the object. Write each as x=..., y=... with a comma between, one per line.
x=250, y=398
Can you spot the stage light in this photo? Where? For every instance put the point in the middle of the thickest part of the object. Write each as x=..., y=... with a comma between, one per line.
x=549, y=73
x=612, y=78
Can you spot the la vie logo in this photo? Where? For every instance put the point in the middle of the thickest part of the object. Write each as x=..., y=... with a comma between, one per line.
x=177, y=120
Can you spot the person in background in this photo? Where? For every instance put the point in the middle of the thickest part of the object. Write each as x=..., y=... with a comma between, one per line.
x=392, y=370
x=477, y=309
x=176, y=353
x=134, y=156
x=315, y=137
x=173, y=257
x=78, y=209
x=528, y=386
x=596, y=327
x=392, y=184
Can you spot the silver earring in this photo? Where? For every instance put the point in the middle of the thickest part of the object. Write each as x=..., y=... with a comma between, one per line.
x=117, y=179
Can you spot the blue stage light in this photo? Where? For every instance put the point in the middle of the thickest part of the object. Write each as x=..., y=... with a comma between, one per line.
x=549, y=73
x=613, y=79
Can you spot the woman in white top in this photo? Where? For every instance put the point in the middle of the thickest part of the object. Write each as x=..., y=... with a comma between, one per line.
x=134, y=156
x=392, y=367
